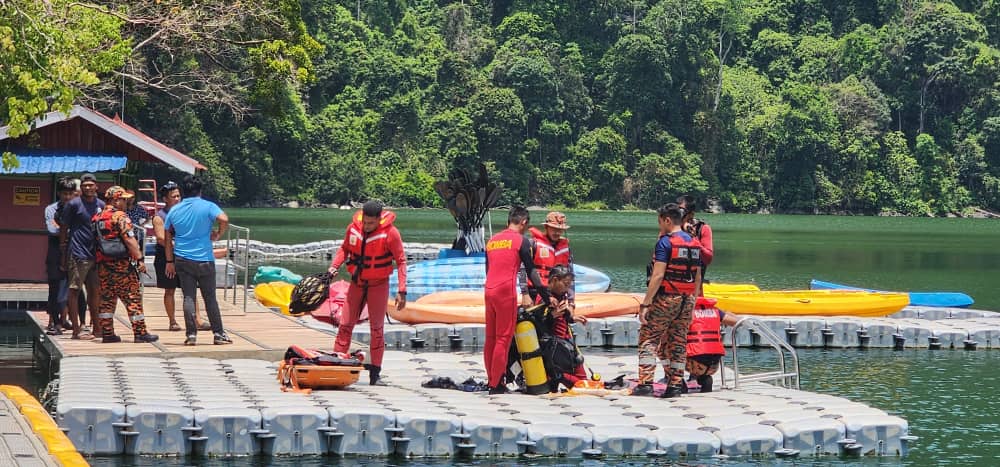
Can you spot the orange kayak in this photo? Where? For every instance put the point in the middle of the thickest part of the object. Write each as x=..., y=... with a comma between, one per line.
x=451, y=307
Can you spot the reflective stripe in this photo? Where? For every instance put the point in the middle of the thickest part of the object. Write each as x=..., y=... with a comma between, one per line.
x=377, y=237
x=562, y=251
x=677, y=366
x=105, y=315
x=137, y=317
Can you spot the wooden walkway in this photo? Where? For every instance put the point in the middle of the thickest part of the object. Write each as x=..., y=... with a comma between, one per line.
x=257, y=333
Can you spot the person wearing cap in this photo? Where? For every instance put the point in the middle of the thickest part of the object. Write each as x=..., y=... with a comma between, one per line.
x=188, y=237
x=78, y=244
x=551, y=249
x=119, y=263
x=371, y=244
x=170, y=193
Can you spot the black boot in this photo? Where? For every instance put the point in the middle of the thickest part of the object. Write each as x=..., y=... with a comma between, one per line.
x=674, y=390
x=705, y=382
x=373, y=375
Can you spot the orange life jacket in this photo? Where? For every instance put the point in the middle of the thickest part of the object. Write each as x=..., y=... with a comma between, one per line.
x=110, y=245
x=368, y=255
x=548, y=255
x=685, y=260
x=704, y=336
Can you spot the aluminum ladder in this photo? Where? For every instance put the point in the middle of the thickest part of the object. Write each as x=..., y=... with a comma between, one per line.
x=783, y=376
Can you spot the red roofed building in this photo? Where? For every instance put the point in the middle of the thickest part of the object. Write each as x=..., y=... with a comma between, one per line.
x=64, y=145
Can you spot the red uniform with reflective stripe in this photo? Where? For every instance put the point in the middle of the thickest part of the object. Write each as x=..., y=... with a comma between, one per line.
x=685, y=259
x=503, y=261
x=704, y=336
x=371, y=250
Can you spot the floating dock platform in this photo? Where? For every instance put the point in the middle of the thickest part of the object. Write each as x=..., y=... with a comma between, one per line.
x=202, y=406
x=169, y=399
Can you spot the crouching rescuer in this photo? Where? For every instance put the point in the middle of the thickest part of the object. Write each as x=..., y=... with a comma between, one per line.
x=544, y=338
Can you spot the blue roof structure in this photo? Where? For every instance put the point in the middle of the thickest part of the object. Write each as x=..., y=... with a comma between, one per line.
x=41, y=163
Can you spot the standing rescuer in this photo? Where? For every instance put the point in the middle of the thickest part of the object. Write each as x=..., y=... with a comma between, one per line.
x=552, y=249
x=76, y=240
x=119, y=263
x=665, y=311
x=505, y=253
x=371, y=244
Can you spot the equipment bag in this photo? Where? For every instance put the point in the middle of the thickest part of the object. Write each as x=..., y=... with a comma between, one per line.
x=310, y=293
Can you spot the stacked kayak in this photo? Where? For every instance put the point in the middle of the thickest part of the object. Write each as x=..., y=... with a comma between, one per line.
x=935, y=299
x=274, y=294
x=717, y=288
x=452, y=307
x=811, y=303
x=469, y=273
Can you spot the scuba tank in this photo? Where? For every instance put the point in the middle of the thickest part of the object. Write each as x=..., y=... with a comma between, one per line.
x=536, y=380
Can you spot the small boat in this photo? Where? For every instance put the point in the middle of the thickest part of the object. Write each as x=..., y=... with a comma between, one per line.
x=456, y=306
x=469, y=273
x=274, y=294
x=936, y=299
x=812, y=303
x=717, y=288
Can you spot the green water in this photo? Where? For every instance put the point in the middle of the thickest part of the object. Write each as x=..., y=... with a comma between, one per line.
x=775, y=252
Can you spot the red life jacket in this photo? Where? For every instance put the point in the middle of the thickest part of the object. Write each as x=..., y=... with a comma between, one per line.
x=704, y=336
x=368, y=255
x=548, y=255
x=110, y=245
x=685, y=260
x=503, y=258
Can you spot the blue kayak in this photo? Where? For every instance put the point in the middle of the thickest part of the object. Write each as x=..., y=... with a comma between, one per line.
x=469, y=273
x=938, y=299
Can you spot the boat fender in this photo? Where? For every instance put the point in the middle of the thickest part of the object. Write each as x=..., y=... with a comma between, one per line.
x=526, y=339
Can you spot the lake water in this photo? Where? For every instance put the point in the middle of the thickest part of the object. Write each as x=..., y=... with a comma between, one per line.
x=775, y=252
x=947, y=396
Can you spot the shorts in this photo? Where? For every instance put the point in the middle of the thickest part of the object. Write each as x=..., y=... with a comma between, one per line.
x=82, y=274
x=160, y=266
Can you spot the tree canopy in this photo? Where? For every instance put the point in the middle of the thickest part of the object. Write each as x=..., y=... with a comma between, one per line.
x=775, y=106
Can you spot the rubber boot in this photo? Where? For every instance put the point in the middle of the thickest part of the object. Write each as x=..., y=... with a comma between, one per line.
x=373, y=375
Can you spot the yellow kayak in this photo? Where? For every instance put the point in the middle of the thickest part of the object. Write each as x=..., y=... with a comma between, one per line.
x=716, y=288
x=812, y=303
x=274, y=294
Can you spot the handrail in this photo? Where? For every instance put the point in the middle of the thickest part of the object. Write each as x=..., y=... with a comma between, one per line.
x=237, y=259
x=784, y=376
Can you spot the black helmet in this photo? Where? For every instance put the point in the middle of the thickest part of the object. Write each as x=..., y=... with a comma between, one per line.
x=310, y=293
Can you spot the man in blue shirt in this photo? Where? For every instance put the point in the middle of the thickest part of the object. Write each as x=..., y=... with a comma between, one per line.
x=76, y=239
x=189, y=256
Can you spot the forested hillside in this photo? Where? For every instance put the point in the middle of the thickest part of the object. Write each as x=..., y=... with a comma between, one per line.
x=861, y=106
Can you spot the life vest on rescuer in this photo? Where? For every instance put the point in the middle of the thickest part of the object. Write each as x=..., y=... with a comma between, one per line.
x=685, y=260
x=109, y=244
x=369, y=258
x=548, y=255
x=704, y=336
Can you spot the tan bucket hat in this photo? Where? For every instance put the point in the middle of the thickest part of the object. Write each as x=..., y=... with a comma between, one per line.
x=556, y=220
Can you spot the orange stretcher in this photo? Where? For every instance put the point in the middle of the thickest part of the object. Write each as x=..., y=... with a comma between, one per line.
x=304, y=370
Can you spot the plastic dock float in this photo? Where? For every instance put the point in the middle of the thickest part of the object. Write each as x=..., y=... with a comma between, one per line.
x=234, y=407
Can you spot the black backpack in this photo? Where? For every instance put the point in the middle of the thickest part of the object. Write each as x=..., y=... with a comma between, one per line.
x=310, y=293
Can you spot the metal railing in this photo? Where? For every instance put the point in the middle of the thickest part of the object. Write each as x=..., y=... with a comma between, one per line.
x=237, y=261
x=784, y=376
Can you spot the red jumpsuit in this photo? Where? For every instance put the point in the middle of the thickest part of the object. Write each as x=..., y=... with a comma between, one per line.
x=369, y=257
x=505, y=253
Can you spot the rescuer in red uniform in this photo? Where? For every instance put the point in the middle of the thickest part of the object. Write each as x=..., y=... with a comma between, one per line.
x=704, y=341
x=505, y=253
x=371, y=244
x=551, y=249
